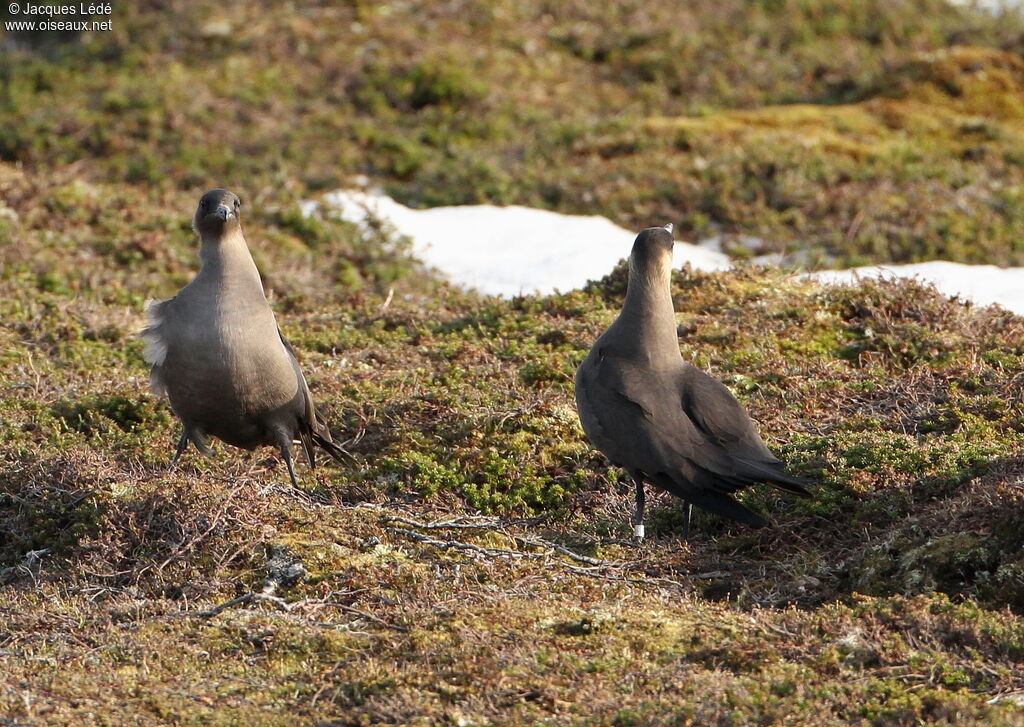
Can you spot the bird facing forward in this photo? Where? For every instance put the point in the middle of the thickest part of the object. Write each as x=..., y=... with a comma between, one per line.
x=659, y=418
x=216, y=351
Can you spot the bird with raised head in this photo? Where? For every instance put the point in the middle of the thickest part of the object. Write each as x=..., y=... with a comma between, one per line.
x=658, y=417
x=216, y=351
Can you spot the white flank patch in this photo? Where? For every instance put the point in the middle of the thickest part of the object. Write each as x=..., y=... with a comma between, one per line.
x=509, y=250
x=156, y=347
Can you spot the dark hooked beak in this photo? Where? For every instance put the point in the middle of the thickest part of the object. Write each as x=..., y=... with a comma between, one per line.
x=223, y=211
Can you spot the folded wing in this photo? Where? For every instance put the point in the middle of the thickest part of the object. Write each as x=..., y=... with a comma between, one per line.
x=682, y=429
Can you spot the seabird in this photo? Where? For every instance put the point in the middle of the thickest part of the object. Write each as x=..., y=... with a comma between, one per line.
x=216, y=351
x=662, y=420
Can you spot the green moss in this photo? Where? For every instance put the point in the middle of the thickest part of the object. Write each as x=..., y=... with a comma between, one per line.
x=639, y=130
x=93, y=416
x=424, y=474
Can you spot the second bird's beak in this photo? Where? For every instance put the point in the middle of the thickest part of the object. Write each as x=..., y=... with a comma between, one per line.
x=223, y=211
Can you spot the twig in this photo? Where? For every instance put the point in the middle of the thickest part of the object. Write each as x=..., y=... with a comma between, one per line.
x=224, y=606
x=387, y=301
x=30, y=559
x=370, y=617
x=598, y=568
x=460, y=523
x=467, y=547
x=283, y=605
x=495, y=525
x=660, y=582
x=542, y=543
x=245, y=598
x=712, y=575
x=187, y=546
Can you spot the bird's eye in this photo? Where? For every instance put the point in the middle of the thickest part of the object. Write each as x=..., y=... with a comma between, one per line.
x=202, y=204
x=238, y=203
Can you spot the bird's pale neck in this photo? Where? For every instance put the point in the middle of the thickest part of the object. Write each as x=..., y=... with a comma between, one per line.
x=647, y=312
x=228, y=260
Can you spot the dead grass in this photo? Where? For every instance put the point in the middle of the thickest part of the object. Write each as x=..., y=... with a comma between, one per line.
x=903, y=405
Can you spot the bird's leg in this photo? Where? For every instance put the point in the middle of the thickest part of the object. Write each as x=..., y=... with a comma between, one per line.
x=638, y=516
x=286, y=452
x=182, y=444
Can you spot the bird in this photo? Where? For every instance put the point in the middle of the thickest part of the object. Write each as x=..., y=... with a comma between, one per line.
x=662, y=420
x=217, y=353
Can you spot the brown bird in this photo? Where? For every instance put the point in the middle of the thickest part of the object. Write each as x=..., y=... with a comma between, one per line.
x=216, y=351
x=659, y=418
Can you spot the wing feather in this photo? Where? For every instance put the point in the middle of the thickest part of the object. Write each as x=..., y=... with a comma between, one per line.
x=680, y=428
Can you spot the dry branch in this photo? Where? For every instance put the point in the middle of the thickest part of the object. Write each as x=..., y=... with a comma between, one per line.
x=30, y=560
x=603, y=569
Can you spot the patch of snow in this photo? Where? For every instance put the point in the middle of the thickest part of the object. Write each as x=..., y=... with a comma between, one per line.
x=717, y=242
x=991, y=6
x=509, y=250
x=983, y=284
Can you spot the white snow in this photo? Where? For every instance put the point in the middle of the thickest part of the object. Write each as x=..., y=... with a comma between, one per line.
x=992, y=6
x=511, y=250
x=983, y=284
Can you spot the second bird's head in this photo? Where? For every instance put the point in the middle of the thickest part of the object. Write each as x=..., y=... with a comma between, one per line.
x=217, y=213
x=653, y=244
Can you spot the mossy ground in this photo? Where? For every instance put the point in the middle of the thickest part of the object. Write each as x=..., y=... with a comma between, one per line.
x=438, y=588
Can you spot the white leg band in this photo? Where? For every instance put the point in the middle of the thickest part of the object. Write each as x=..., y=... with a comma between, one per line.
x=638, y=531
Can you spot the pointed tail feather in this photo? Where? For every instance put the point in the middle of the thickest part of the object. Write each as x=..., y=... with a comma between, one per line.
x=200, y=441
x=332, y=448
x=723, y=505
x=773, y=473
x=708, y=499
x=794, y=485
x=307, y=447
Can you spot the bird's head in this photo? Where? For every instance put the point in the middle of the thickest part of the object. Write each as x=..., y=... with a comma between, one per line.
x=655, y=238
x=217, y=213
x=653, y=247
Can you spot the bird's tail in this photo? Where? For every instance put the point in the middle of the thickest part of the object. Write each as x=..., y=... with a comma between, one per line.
x=709, y=499
x=773, y=473
x=335, y=449
x=200, y=441
x=721, y=504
